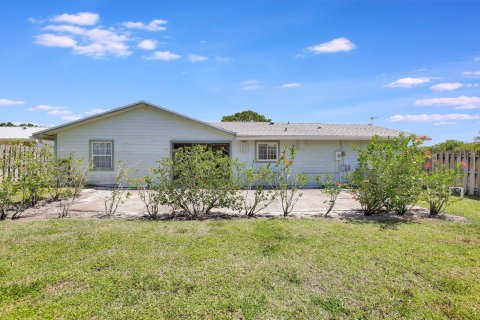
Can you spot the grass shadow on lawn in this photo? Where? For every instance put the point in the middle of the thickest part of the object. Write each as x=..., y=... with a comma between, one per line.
x=384, y=221
x=182, y=216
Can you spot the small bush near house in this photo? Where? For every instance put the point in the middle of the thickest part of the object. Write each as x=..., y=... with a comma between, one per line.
x=118, y=193
x=389, y=174
x=32, y=177
x=331, y=189
x=257, y=181
x=59, y=170
x=287, y=182
x=152, y=190
x=31, y=174
x=437, y=183
x=71, y=179
x=403, y=174
x=201, y=180
x=7, y=192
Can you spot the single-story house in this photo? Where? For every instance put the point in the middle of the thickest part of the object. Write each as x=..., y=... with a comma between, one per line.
x=20, y=134
x=141, y=133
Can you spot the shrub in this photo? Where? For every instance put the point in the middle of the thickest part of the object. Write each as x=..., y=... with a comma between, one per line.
x=7, y=192
x=117, y=194
x=30, y=181
x=73, y=179
x=201, y=180
x=403, y=174
x=59, y=171
x=151, y=191
x=389, y=174
x=437, y=183
x=287, y=183
x=331, y=189
x=32, y=174
x=258, y=182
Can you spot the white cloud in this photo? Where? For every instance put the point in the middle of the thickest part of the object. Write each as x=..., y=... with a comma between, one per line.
x=250, y=82
x=96, y=42
x=223, y=59
x=460, y=102
x=65, y=28
x=433, y=117
x=34, y=20
x=407, y=82
x=335, y=45
x=100, y=42
x=164, y=55
x=447, y=86
x=444, y=123
x=474, y=74
x=79, y=32
x=154, y=25
x=250, y=85
x=46, y=107
x=10, y=102
x=147, y=44
x=64, y=114
x=291, y=85
x=60, y=112
x=81, y=18
x=53, y=40
x=94, y=112
x=197, y=58
x=71, y=117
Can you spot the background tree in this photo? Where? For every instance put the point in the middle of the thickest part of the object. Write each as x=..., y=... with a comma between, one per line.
x=455, y=145
x=246, y=116
x=448, y=145
x=10, y=124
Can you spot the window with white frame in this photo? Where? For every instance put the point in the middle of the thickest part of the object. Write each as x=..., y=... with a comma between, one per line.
x=102, y=155
x=267, y=151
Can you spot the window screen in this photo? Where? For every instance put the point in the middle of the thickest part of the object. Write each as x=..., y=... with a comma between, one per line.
x=102, y=154
x=267, y=151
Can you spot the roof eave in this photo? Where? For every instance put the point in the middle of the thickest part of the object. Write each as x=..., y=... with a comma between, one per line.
x=18, y=139
x=306, y=137
x=52, y=131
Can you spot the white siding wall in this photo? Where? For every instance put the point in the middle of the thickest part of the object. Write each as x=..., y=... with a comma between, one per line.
x=141, y=137
x=316, y=157
x=144, y=135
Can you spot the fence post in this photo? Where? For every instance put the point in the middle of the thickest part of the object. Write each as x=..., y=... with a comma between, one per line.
x=477, y=173
x=471, y=184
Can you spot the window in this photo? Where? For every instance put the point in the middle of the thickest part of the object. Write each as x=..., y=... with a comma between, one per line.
x=267, y=151
x=102, y=155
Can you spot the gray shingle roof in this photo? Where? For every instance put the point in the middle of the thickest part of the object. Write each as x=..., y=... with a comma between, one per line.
x=18, y=133
x=306, y=129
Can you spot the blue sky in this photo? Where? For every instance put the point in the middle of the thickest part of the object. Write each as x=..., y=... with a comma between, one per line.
x=414, y=65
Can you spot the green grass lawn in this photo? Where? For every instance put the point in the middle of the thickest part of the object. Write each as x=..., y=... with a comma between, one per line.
x=262, y=269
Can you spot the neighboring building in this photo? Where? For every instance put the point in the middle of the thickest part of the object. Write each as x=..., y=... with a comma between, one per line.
x=20, y=134
x=140, y=134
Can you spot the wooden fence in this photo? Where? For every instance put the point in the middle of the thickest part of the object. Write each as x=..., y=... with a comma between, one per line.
x=14, y=157
x=471, y=168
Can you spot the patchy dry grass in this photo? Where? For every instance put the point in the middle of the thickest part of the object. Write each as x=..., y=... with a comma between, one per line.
x=259, y=268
